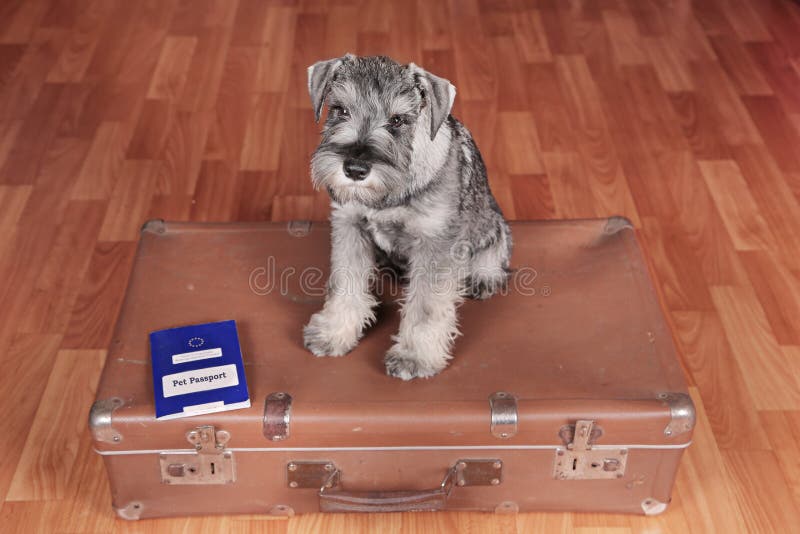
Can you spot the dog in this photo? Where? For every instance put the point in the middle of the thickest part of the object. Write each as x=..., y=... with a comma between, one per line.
x=408, y=186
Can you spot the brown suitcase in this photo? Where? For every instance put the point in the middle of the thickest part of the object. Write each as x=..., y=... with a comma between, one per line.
x=563, y=394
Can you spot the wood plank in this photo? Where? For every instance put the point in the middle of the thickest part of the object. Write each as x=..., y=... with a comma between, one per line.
x=678, y=271
x=670, y=65
x=746, y=227
x=43, y=472
x=698, y=216
x=741, y=68
x=25, y=18
x=761, y=491
x=532, y=198
x=77, y=52
x=275, y=59
x=765, y=368
x=530, y=37
x=518, y=143
x=717, y=92
x=568, y=184
x=100, y=297
x=783, y=430
x=720, y=382
x=12, y=202
x=705, y=487
x=205, y=71
x=778, y=291
x=29, y=359
x=260, y=150
x=129, y=201
x=549, y=110
x=476, y=71
x=103, y=162
x=57, y=284
x=173, y=66
x=773, y=196
x=779, y=133
x=182, y=153
x=216, y=192
x=625, y=38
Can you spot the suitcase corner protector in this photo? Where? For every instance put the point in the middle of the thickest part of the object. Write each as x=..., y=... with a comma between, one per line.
x=130, y=512
x=154, y=226
x=682, y=413
x=100, y=420
x=652, y=506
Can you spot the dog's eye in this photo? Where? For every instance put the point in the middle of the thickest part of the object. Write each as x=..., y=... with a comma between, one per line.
x=340, y=111
x=395, y=121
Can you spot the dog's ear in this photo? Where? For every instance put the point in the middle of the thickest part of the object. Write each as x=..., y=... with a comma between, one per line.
x=439, y=92
x=319, y=78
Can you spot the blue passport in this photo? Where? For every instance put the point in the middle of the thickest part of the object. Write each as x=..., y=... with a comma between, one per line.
x=197, y=370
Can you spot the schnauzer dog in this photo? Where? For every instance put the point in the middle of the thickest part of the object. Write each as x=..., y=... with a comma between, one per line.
x=407, y=185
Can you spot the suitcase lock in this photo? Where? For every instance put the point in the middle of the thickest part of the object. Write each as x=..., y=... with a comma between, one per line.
x=580, y=460
x=210, y=463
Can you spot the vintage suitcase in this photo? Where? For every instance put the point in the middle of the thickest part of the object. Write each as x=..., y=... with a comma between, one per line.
x=564, y=394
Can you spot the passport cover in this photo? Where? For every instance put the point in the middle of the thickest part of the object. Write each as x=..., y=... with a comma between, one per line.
x=198, y=369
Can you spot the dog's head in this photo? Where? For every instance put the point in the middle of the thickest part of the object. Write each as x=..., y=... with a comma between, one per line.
x=381, y=117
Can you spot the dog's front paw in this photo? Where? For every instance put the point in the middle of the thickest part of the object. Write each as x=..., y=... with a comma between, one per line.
x=484, y=287
x=326, y=336
x=403, y=363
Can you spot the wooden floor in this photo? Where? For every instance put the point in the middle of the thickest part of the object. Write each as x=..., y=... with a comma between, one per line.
x=684, y=116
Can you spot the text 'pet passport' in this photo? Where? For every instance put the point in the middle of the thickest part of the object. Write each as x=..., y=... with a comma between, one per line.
x=197, y=370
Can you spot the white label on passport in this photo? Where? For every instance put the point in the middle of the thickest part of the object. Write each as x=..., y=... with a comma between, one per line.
x=196, y=355
x=206, y=379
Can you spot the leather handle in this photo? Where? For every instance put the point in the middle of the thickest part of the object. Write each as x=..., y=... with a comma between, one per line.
x=384, y=501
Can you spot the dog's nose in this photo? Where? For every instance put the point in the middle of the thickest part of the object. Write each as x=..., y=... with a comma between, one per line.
x=356, y=169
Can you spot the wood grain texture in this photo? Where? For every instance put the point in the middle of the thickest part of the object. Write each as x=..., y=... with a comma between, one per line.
x=682, y=116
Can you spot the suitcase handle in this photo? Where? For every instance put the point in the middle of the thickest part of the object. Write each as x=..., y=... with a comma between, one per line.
x=384, y=501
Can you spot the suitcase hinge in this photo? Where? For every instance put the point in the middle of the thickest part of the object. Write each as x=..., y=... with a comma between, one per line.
x=277, y=416
x=579, y=460
x=503, y=408
x=210, y=463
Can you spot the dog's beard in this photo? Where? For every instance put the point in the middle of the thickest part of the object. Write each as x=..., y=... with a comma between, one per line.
x=372, y=191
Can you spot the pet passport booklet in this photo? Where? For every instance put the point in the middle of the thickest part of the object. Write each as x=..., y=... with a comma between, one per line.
x=198, y=369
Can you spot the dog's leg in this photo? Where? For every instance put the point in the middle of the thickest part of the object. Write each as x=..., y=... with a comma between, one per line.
x=428, y=325
x=348, y=308
x=489, y=270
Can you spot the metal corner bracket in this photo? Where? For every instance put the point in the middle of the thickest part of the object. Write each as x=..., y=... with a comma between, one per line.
x=154, y=226
x=682, y=413
x=503, y=408
x=651, y=506
x=617, y=223
x=130, y=512
x=100, y=420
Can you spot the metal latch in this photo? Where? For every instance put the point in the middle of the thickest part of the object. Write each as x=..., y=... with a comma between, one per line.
x=210, y=463
x=579, y=460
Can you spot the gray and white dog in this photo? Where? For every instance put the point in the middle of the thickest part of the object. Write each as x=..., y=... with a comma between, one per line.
x=408, y=186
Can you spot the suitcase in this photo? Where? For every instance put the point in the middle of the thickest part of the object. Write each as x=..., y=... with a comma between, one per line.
x=564, y=393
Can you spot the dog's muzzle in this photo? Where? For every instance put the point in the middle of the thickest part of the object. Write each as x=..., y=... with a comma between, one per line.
x=355, y=169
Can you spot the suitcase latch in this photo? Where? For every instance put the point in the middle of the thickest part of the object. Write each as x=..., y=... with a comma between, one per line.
x=210, y=463
x=580, y=460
